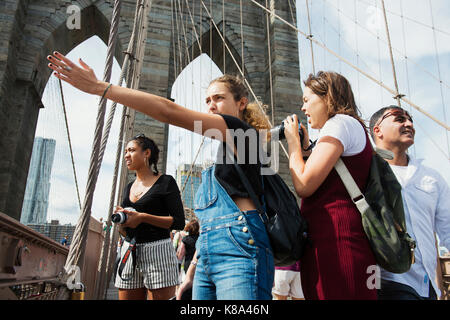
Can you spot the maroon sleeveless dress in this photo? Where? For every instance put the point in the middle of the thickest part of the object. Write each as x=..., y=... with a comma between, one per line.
x=335, y=265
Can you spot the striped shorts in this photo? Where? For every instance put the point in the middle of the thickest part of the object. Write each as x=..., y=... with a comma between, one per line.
x=156, y=267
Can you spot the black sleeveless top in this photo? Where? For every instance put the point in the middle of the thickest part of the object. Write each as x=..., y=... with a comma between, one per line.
x=248, y=147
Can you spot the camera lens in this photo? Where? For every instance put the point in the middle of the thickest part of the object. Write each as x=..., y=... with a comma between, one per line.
x=278, y=131
x=119, y=217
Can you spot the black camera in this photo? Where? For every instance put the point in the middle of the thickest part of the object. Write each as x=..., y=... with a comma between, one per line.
x=121, y=217
x=280, y=130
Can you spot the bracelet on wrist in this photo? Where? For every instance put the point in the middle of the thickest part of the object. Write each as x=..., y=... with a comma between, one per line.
x=194, y=263
x=104, y=92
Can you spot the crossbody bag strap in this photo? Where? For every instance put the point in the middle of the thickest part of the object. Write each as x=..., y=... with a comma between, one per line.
x=131, y=250
x=353, y=190
x=117, y=262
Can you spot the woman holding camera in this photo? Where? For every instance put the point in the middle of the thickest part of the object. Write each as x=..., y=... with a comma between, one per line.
x=234, y=259
x=156, y=199
x=335, y=265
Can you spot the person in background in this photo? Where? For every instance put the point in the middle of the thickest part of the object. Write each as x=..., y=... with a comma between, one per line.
x=288, y=283
x=426, y=201
x=188, y=248
x=65, y=240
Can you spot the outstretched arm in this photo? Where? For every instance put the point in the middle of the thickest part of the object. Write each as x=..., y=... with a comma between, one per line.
x=161, y=109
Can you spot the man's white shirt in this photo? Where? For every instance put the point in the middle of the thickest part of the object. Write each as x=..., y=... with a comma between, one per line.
x=426, y=200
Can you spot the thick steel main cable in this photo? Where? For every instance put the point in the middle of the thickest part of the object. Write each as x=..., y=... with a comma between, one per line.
x=125, y=67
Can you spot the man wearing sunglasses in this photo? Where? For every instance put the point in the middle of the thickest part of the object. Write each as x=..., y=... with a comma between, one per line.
x=426, y=200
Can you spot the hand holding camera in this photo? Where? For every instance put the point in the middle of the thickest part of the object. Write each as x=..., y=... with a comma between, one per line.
x=126, y=217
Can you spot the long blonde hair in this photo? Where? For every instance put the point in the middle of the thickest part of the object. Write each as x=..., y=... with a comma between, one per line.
x=253, y=114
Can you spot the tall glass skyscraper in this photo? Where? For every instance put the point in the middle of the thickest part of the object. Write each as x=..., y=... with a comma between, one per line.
x=35, y=203
x=192, y=183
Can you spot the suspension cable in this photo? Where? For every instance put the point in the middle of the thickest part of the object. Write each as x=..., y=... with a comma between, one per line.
x=356, y=68
x=404, y=56
x=270, y=65
x=77, y=248
x=388, y=35
x=70, y=143
x=243, y=75
x=310, y=35
x=439, y=73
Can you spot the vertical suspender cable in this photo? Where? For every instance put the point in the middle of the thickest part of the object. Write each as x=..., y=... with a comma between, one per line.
x=406, y=63
x=398, y=96
x=76, y=253
x=242, y=36
x=310, y=36
x=269, y=56
x=223, y=33
x=355, y=9
x=439, y=74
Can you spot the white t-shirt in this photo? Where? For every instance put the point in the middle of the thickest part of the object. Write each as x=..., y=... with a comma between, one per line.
x=348, y=131
x=402, y=173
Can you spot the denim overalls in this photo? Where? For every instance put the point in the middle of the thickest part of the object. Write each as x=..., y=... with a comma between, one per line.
x=235, y=260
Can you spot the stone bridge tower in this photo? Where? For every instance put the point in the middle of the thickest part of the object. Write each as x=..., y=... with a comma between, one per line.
x=32, y=29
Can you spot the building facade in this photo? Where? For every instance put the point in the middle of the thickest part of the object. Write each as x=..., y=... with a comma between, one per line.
x=54, y=230
x=35, y=204
x=190, y=184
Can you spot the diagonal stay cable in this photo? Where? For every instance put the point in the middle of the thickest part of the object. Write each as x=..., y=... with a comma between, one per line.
x=412, y=20
x=402, y=54
x=415, y=106
x=70, y=143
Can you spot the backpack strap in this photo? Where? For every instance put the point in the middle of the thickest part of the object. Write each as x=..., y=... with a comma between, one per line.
x=352, y=188
x=355, y=193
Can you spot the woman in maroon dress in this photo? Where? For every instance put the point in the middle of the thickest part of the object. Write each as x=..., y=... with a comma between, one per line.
x=336, y=264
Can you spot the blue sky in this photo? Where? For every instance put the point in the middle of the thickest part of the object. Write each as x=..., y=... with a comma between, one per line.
x=332, y=22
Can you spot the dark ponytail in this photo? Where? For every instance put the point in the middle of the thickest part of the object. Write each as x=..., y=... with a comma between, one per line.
x=147, y=143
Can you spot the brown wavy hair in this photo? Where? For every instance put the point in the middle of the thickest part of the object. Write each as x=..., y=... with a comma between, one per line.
x=337, y=93
x=192, y=227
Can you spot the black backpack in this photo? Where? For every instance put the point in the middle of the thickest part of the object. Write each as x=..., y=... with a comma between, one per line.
x=286, y=228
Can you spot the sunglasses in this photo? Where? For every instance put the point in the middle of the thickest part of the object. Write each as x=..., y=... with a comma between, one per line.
x=140, y=135
x=400, y=116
